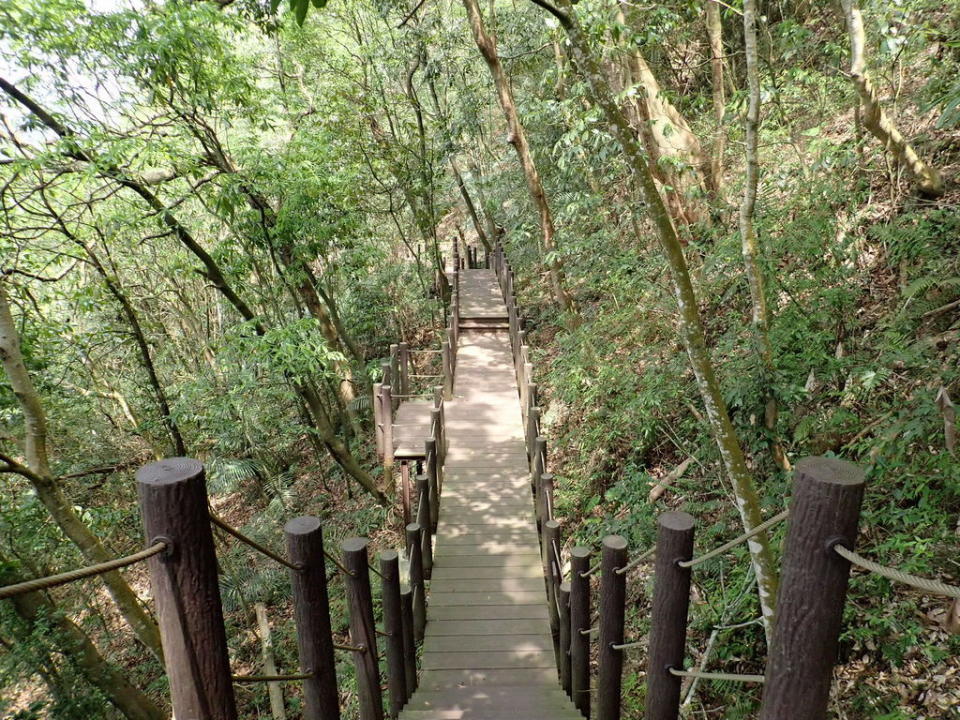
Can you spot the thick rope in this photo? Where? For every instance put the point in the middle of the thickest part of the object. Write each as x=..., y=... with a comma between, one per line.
x=253, y=543
x=716, y=676
x=268, y=678
x=50, y=581
x=931, y=586
x=636, y=561
x=765, y=525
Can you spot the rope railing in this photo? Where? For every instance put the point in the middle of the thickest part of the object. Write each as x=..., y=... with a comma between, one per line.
x=253, y=543
x=766, y=525
x=731, y=677
x=269, y=678
x=70, y=576
x=636, y=561
x=926, y=584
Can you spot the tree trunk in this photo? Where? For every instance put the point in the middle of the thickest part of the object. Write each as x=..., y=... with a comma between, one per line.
x=211, y=271
x=691, y=325
x=874, y=118
x=715, y=36
x=471, y=208
x=518, y=138
x=760, y=312
x=36, y=609
x=667, y=137
x=38, y=472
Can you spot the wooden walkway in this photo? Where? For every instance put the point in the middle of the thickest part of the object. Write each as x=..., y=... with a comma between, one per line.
x=488, y=653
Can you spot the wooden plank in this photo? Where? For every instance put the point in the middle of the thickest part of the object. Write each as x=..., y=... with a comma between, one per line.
x=484, y=548
x=486, y=660
x=491, y=612
x=455, y=572
x=477, y=599
x=498, y=643
x=433, y=679
x=439, y=627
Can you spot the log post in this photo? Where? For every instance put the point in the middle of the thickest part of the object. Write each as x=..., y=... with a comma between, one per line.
x=405, y=490
x=536, y=476
x=311, y=611
x=824, y=512
x=533, y=431
x=173, y=507
x=433, y=478
x=546, y=488
x=613, y=588
x=580, y=612
x=414, y=550
x=409, y=642
x=447, y=371
x=395, y=369
x=403, y=354
x=363, y=631
x=423, y=520
x=385, y=372
x=393, y=629
x=563, y=600
x=378, y=420
x=437, y=419
x=668, y=623
x=551, y=567
x=386, y=393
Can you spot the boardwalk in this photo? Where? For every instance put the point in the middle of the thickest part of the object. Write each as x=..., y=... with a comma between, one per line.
x=488, y=653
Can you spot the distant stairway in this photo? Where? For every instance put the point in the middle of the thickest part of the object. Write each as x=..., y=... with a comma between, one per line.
x=488, y=653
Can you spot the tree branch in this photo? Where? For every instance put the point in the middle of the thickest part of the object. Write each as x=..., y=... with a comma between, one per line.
x=557, y=13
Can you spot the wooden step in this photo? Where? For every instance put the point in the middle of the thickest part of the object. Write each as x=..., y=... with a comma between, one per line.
x=489, y=612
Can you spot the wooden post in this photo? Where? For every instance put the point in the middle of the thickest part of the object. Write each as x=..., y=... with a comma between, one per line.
x=613, y=587
x=563, y=600
x=386, y=393
x=668, y=624
x=551, y=567
x=580, y=612
x=437, y=418
x=530, y=403
x=385, y=371
x=539, y=453
x=824, y=512
x=414, y=550
x=447, y=371
x=173, y=506
x=433, y=478
x=363, y=632
x=546, y=487
x=409, y=642
x=423, y=520
x=405, y=490
x=393, y=629
x=377, y=421
x=311, y=611
x=395, y=380
x=403, y=355
x=533, y=431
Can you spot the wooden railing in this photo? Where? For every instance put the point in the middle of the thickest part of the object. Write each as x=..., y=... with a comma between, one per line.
x=174, y=507
x=821, y=534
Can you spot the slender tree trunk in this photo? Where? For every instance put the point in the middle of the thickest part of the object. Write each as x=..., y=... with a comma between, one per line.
x=471, y=208
x=211, y=270
x=146, y=358
x=690, y=322
x=38, y=472
x=760, y=312
x=36, y=610
x=715, y=36
x=518, y=138
x=667, y=137
x=875, y=119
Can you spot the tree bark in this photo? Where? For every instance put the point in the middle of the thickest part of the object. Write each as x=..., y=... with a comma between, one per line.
x=518, y=138
x=691, y=325
x=715, y=37
x=37, y=471
x=760, y=311
x=35, y=609
x=667, y=137
x=875, y=119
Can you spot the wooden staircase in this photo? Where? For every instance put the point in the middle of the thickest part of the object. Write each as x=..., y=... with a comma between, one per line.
x=488, y=652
